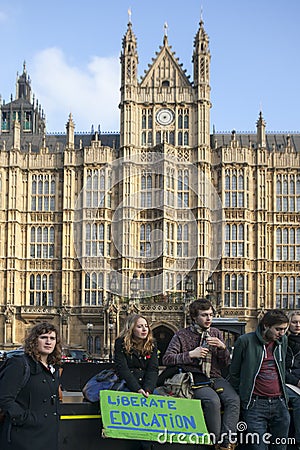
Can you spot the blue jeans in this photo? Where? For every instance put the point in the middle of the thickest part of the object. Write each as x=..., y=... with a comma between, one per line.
x=268, y=422
x=295, y=403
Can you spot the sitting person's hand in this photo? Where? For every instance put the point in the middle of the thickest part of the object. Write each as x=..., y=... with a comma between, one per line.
x=145, y=393
x=199, y=352
x=215, y=342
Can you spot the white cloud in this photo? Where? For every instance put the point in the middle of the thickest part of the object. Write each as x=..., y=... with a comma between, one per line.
x=90, y=93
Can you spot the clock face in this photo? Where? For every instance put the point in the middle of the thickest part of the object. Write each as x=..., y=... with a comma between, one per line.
x=164, y=116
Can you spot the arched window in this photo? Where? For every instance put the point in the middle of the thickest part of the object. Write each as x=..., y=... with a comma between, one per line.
x=288, y=244
x=142, y=282
x=278, y=187
x=41, y=198
x=102, y=180
x=186, y=121
x=41, y=292
x=93, y=289
x=42, y=242
x=234, y=189
x=143, y=182
x=180, y=138
x=186, y=138
x=234, y=240
x=149, y=181
x=180, y=121
x=236, y=291
x=233, y=182
x=172, y=138
x=179, y=181
x=142, y=233
x=287, y=193
x=98, y=182
x=95, y=239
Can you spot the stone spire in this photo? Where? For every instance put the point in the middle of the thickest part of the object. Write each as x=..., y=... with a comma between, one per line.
x=23, y=85
x=129, y=57
x=261, y=131
x=201, y=56
x=70, y=126
x=201, y=62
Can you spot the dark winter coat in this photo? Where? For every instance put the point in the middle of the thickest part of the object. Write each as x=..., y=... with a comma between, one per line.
x=139, y=372
x=292, y=361
x=31, y=419
x=248, y=354
x=185, y=340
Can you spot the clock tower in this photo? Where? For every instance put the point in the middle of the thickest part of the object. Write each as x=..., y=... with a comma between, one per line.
x=165, y=114
x=165, y=106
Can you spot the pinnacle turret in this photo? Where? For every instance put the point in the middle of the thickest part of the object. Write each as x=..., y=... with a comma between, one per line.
x=129, y=56
x=201, y=56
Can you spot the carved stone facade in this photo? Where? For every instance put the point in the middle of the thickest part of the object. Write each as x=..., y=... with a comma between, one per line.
x=96, y=226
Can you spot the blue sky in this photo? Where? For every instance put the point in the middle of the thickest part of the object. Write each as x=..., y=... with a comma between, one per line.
x=72, y=50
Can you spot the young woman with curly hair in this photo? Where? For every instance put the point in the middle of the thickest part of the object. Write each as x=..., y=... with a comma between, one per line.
x=31, y=412
x=136, y=356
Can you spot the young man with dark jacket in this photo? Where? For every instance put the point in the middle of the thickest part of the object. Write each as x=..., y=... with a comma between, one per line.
x=293, y=370
x=257, y=373
x=200, y=349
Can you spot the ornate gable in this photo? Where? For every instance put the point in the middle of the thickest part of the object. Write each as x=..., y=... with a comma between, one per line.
x=165, y=70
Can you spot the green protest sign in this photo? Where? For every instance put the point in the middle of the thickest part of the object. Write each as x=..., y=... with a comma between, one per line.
x=128, y=415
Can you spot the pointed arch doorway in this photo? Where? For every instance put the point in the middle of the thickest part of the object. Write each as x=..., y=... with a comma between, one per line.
x=163, y=335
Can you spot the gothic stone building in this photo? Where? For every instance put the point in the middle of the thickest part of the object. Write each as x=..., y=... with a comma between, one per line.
x=95, y=226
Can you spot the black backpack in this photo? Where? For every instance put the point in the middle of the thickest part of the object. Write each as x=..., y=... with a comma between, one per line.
x=26, y=377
